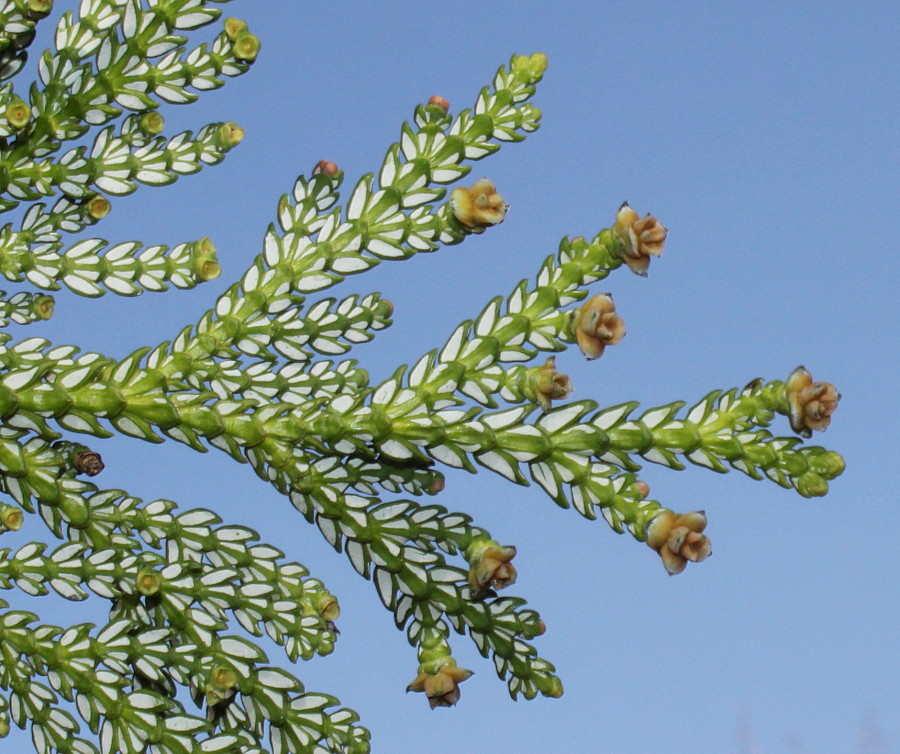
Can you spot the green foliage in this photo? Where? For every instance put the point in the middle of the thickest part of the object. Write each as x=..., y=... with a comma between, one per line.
x=258, y=377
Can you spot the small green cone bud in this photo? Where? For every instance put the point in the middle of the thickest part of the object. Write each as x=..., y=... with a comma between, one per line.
x=18, y=114
x=234, y=27
x=209, y=270
x=222, y=677
x=555, y=691
x=221, y=685
x=829, y=464
x=148, y=582
x=811, y=484
x=385, y=308
x=97, y=207
x=11, y=518
x=230, y=135
x=528, y=68
x=246, y=47
x=206, y=246
x=40, y=7
x=437, y=484
x=327, y=606
x=152, y=123
x=204, y=260
x=42, y=306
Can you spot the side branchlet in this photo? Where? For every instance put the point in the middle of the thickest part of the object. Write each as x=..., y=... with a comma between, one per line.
x=262, y=376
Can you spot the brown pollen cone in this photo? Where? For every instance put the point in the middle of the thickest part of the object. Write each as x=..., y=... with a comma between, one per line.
x=492, y=568
x=811, y=403
x=679, y=538
x=642, y=237
x=596, y=325
x=479, y=206
x=550, y=385
x=441, y=687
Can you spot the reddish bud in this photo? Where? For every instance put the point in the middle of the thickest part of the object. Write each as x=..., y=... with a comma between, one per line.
x=325, y=166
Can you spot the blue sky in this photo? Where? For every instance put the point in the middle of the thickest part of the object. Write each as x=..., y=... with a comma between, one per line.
x=764, y=136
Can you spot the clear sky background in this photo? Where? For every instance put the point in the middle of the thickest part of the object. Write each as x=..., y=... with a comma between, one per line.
x=764, y=136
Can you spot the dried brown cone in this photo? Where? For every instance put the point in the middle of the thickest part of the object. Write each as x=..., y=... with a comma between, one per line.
x=88, y=462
